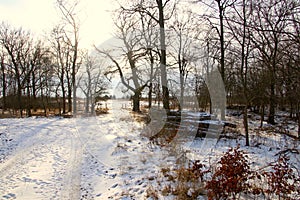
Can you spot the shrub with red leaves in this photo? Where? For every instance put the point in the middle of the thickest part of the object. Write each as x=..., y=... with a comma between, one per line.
x=282, y=180
x=230, y=178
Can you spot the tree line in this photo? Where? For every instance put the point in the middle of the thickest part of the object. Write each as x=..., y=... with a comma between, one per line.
x=168, y=51
x=45, y=72
x=174, y=49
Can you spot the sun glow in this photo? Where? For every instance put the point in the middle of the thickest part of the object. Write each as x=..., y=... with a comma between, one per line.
x=41, y=16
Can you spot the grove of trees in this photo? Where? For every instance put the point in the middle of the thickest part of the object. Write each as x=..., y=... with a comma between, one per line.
x=43, y=73
x=166, y=50
x=176, y=45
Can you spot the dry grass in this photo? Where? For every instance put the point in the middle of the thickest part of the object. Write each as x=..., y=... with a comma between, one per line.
x=182, y=183
x=141, y=117
x=100, y=111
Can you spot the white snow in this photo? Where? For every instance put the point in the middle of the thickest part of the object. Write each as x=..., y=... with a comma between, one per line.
x=102, y=157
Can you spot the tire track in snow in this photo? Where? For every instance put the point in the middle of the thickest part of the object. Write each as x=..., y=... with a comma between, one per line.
x=64, y=154
x=105, y=161
x=72, y=181
x=24, y=146
x=29, y=171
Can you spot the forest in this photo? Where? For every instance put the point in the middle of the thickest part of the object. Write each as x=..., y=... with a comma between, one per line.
x=166, y=50
x=199, y=99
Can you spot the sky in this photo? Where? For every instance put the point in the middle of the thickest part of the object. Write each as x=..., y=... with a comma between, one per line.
x=40, y=16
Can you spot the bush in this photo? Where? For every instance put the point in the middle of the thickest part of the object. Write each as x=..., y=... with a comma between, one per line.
x=185, y=182
x=230, y=177
x=282, y=180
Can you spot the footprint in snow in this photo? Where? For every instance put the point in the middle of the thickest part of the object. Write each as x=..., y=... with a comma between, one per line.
x=9, y=196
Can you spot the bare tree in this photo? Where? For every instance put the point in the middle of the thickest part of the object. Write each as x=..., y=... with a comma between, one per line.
x=149, y=38
x=238, y=24
x=3, y=79
x=17, y=44
x=92, y=81
x=22, y=68
x=61, y=55
x=291, y=73
x=69, y=13
x=269, y=30
x=157, y=11
x=215, y=16
x=132, y=52
x=183, y=46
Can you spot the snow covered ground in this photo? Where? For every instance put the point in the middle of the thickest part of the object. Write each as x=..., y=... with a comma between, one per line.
x=98, y=157
x=101, y=157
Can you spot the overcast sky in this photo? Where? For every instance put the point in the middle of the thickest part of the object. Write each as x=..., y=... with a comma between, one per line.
x=40, y=16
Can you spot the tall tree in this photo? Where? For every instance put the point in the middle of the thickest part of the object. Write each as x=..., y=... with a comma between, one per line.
x=3, y=78
x=163, y=59
x=132, y=51
x=269, y=30
x=183, y=46
x=61, y=53
x=149, y=39
x=69, y=13
x=92, y=81
x=17, y=44
x=157, y=11
x=216, y=17
x=238, y=24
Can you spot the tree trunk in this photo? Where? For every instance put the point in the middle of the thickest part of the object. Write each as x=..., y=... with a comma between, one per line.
x=63, y=100
x=43, y=101
x=150, y=95
x=28, y=106
x=246, y=124
x=222, y=46
x=74, y=102
x=262, y=115
x=136, y=101
x=74, y=105
x=271, y=118
x=70, y=100
x=163, y=59
x=69, y=93
x=3, y=86
x=151, y=80
x=87, y=104
x=210, y=106
x=20, y=105
x=92, y=104
x=181, y=91
x=34, y=91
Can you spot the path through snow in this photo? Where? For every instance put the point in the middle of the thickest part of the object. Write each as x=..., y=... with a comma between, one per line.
x=80, y=158
x=105, y=157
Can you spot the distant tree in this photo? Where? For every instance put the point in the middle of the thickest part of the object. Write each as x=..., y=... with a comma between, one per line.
x=157, y=10
x=207, y=67
x=183, y=47
x=61, y=54
x=293, y=64
x=126, y=25
x=92, y=81
x=3, y=79
x=269, y=36
x=17, y=44
x=216, y=16
x=45, y=79
x=238, y=24
x=24, y=63
x=71, y=33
